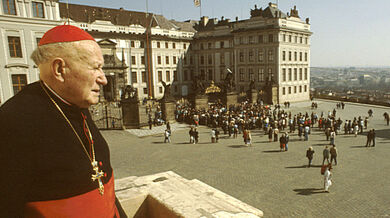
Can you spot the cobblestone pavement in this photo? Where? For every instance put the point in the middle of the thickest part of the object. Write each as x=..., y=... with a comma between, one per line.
x=276, y=182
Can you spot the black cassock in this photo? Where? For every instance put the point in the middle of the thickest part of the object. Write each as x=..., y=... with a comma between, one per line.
x=44, y=168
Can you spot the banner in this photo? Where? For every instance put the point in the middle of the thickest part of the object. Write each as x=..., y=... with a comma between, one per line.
x=197, y=3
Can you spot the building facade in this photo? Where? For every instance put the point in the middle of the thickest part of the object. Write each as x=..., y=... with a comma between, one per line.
x=143, y=49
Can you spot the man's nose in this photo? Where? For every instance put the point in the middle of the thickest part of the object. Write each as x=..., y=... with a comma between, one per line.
x=101, y=79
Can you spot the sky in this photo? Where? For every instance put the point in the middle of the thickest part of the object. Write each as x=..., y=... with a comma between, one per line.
x=346, y=33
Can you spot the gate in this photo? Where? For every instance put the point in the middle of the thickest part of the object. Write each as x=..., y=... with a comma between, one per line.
x=107, y=115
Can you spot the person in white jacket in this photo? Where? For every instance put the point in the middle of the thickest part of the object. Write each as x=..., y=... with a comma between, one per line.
x=327, y=178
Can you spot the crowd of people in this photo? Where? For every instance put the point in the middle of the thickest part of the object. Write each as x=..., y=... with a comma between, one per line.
x=277, y=124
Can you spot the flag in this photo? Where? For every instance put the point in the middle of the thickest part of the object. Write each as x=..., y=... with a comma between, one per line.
x=197, y=3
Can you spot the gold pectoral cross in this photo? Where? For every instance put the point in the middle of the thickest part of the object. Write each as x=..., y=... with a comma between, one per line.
x=97, y=176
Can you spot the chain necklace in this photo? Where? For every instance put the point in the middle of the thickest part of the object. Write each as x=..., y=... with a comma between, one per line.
x=98, y=174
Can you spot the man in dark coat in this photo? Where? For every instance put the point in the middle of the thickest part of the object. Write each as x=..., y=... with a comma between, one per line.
x=54, y=160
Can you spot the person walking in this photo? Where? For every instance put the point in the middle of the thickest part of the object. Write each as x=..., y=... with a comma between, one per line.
x=282, y=141
x=369, y=138
x=191, y=133
x=196, y=136
x=276, y=133
x=287, y=140
x=327, y=178
x=332, y=136
x=309, y=155
x=167, y=136
x=325, y=154
x=249, y=138
x=212, y=135
x=333, y=154
x=373, y=137
x=270, y=132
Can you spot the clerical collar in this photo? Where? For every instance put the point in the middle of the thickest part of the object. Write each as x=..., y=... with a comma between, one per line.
x=54, y=93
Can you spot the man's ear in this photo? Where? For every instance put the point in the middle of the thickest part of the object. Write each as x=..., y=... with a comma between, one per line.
x=58, y=69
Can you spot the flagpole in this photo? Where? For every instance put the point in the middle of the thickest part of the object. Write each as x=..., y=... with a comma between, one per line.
x=200, y=8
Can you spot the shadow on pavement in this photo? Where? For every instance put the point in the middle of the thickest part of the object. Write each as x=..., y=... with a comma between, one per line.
x=358, y=146
x=238, y=146
x=309, y=191
x=383, y=133
x=264, y=142
x=303, y=166
x=272, y=151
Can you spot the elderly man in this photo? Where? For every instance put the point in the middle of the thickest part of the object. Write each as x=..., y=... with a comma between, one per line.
x=54, y=161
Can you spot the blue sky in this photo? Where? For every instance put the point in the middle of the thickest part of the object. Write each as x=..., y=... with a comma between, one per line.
x=346, y=32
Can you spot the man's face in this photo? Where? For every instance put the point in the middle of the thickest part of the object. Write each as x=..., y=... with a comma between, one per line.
x=85, y=75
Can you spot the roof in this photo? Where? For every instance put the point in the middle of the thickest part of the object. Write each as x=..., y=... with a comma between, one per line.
x=89, y=14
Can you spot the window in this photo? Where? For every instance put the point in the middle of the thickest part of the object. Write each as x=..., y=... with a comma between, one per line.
x=305, y=56
x=168, y=76
x=221, y=75
x=142, y=44
x=260, y=75
x=284, y=55
x=167, y=59
x=300, y=56
x=145, y=91
x=295, y=56
x=158, y=59
x=251, y=75
x=242, y=75
x=305, y=73
x=289, y=55
x=270, y=75
x=174, y=75
x=251, y=40
x=270, y=38
x=142, y=59
x=185, y=46
x=222, y=58
x=296, y=39
x=38, y=40
x=143, y=76
x=301, y=39
x=289, y=90
x=289, y=74
x=15, y=49
x=284, y=90
x=284, y=37
x=166, y=45
x=173, y=45
x=209, y=45
x=300, y=89
x=261, y=39
x=306, y=40
x=160, y=90
x=300, y=73
x=241, y=40
x=222, y=44
x=295, y=89
x=133, y=62
x=270, y=55
x=185, y=75
x=158, y=45
x=250, y=55
x=202, y=59
x=132, y=44
x=9, y=7
x=201, y=46
x=19, y=81
x=210, y=74
x=241, y=56
x=260, y=56
x=159, y=75
x=37, y=8
x=295, y=74
x=174, y=60
x=210, y=59
x=289, y=40
x=134, y=77
x=305, y=88
x=284, y=75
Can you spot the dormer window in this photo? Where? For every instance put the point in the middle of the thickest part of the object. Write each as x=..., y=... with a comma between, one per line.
x=37, y=8
x=9, y=7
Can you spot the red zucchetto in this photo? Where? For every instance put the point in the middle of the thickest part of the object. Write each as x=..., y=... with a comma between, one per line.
x=64, y=33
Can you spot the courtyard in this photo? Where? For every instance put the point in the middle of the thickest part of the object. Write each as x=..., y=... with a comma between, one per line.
x=278, y=183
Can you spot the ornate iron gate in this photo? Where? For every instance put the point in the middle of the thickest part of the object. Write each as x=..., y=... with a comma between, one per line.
x=107, y=115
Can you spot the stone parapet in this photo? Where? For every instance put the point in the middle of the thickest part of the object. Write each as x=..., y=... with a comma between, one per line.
x=170, y=195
